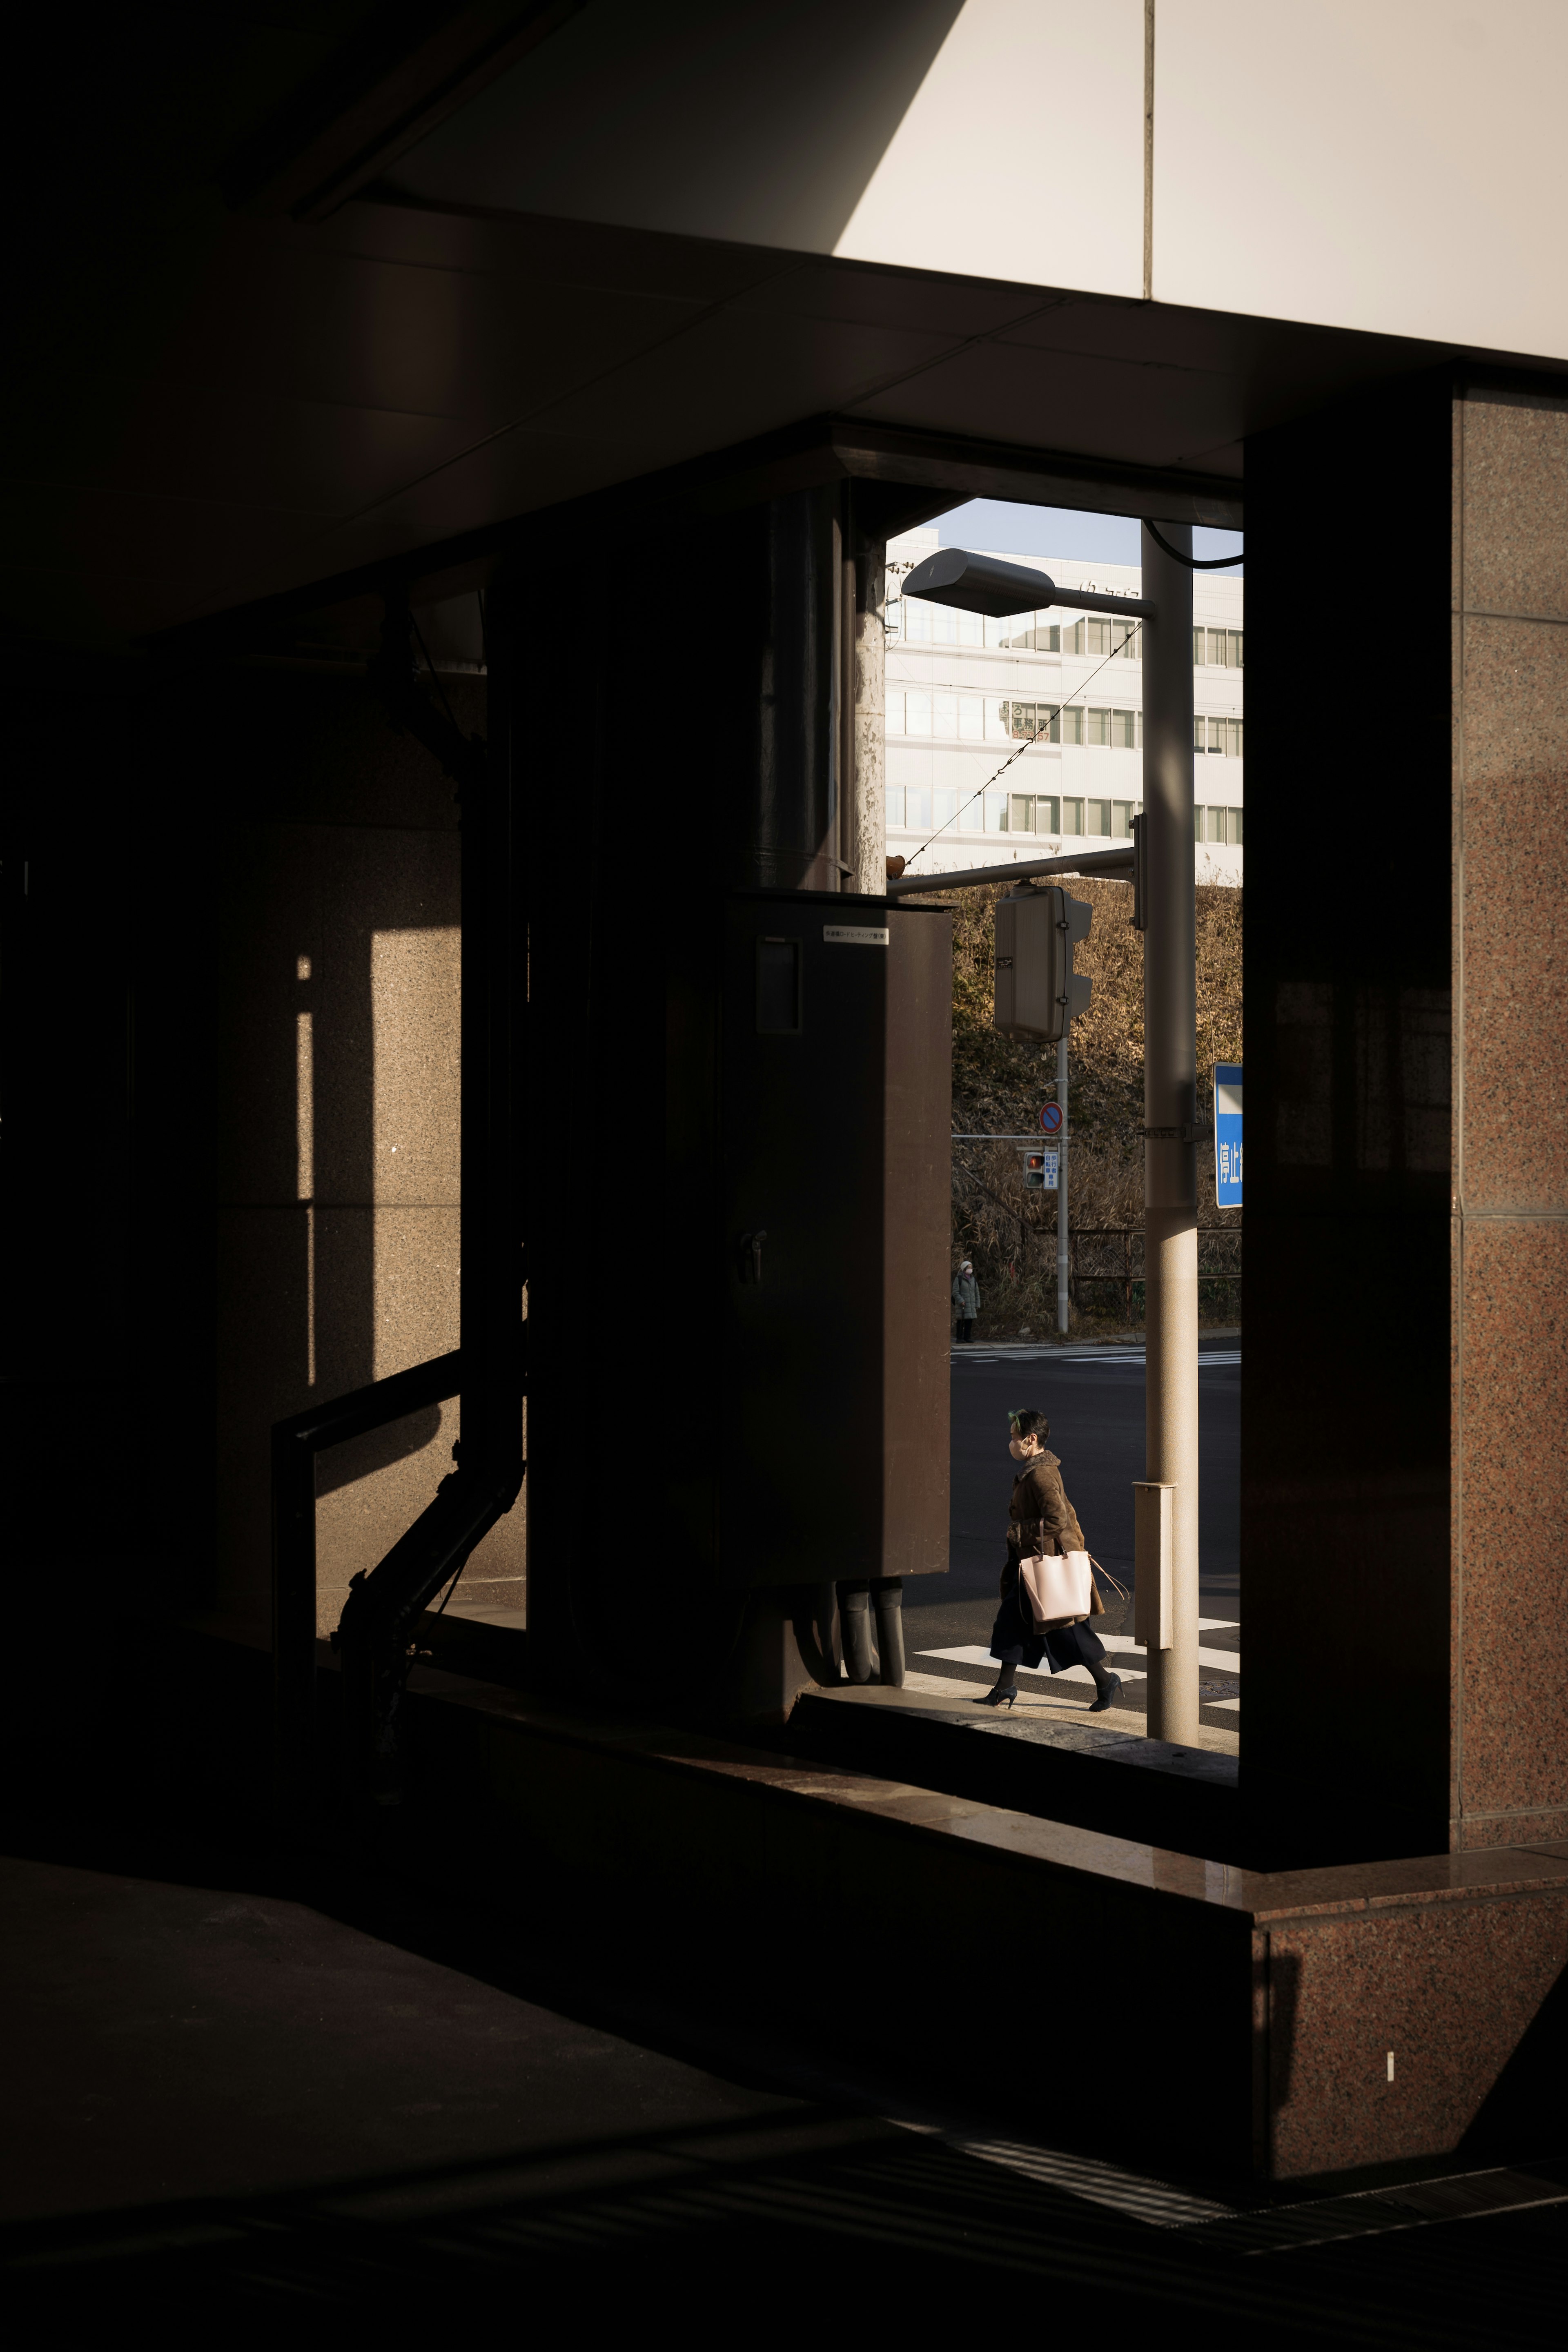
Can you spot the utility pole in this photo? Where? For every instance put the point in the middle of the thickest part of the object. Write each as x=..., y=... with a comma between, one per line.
x=1062, y=1186
x=1170, y=1113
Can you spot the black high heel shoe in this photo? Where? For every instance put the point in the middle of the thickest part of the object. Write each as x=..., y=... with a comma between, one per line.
x=994, y=1697
x=1106, y=1697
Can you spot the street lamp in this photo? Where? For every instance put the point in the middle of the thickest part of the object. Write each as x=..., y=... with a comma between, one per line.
x=984, y=584
x=1167, y=1579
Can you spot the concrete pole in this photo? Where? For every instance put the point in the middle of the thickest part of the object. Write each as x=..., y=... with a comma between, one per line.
x=1170, y=1109
x=1062, y=1261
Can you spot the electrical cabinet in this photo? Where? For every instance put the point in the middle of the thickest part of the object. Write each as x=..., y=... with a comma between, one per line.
x=807, y=1165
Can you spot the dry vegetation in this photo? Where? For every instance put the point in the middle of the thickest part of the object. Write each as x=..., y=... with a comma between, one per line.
x=998, y=1087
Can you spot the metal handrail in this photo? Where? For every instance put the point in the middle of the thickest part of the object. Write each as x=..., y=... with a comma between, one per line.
x=296, y=1443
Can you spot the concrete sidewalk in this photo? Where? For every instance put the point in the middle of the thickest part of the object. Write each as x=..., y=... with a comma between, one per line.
x=945, y=1693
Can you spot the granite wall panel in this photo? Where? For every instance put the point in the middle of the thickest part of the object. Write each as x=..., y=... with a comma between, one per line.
x=1514, y=897
x=1515, y=502
x=339, y=1126
x=1407, y=1044
x=1509, y=1501
x=1449, y=1991
x=1513, y=1553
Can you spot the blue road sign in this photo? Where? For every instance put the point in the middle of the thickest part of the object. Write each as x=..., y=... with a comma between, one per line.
x=1227, y=1134
x=1051, y=1117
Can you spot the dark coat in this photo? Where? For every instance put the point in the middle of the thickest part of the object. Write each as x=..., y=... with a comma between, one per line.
x=1039, y=1513
x=1039, y=1506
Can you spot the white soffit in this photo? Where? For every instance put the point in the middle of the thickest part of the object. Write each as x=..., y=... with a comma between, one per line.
x=1021, y=155
x=1399, y=167
x=994, y=138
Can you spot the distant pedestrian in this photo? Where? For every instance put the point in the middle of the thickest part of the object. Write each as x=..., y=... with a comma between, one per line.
x=966, y=1298
x=1041, y=1519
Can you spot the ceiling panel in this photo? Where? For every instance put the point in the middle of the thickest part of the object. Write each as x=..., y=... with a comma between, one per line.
x=737, y=375
x=1148, y=414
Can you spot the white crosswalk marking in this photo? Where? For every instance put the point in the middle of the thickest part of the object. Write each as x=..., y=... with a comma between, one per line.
x=975, y=1656
x=1083, y=1356
x=1123, y=1648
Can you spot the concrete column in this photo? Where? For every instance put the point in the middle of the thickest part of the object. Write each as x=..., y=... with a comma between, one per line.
x=1170, y=1109
x=866, y=787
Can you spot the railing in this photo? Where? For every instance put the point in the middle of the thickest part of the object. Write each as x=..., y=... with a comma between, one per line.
x=1111, y=1256
x=295, y=1445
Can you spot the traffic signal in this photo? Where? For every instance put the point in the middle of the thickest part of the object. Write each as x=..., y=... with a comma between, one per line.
x=1034, y=1172
x=1037, y=990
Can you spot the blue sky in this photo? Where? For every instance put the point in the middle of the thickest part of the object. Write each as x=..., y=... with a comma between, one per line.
x=1063, y=530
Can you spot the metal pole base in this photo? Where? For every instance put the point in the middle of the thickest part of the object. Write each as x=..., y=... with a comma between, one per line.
x=854, y=1623
x=888, y=1596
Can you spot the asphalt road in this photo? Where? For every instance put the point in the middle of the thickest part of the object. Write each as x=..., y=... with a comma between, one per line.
x=1095, y=1403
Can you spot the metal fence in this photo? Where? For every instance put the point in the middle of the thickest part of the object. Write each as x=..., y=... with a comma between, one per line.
x=1106, y=1269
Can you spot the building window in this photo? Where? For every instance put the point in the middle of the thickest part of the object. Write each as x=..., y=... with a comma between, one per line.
x=1217, y=649
x=1033, y=812
x=1024, y=633
x=1122, y=729
x=1072, y=818
x=1097, y=818
x=1211, y=825
x=1122, y=814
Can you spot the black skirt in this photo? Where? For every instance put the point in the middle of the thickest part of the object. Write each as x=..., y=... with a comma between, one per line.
x=1014, y=1643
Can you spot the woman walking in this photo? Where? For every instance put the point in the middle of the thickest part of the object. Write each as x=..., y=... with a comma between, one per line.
x=1040, y=1520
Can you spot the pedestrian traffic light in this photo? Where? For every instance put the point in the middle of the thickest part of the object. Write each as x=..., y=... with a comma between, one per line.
x=1037, y=990
x=1034, y=1172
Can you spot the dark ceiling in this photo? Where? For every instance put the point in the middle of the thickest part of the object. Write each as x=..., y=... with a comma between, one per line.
x=227, y=382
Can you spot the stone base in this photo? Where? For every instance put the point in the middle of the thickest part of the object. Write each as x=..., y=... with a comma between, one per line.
x=1259, y=2009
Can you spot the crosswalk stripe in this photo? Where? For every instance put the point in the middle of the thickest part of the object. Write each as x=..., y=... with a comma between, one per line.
x=1081, y=1356
x=1122, y=1644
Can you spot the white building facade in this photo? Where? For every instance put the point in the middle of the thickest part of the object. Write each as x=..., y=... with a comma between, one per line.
x=1023, y=738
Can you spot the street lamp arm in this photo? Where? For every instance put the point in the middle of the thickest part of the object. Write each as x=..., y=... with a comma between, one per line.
x=1103, y=864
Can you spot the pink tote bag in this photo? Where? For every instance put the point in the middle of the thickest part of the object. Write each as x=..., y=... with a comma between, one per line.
x=1060, y=1586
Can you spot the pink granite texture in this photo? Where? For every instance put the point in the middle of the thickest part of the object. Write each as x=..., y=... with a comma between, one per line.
x=1450, y=1990
x=1513, y=1666
x=1515, y=512
x=1483, y=1831
x=1514, y=1133
x=1511, y=1252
